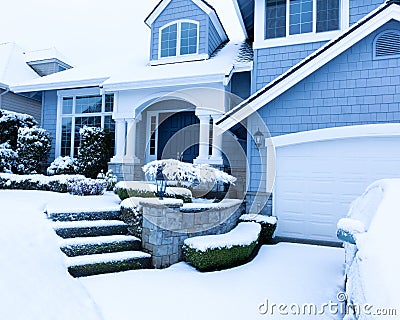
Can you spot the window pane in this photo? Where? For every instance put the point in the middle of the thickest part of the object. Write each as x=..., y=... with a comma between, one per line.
x=275, y=19
x=88, y=104
x=301, y=16
x=109, y=129
x=66, y=137
x=109, y=107
x=188, y=38
x=168, y=41
x=80, y=122
x=327, y=15
x=153, y=126
x=67, y=105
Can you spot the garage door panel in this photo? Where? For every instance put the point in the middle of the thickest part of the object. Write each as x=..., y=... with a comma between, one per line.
x=319, y=180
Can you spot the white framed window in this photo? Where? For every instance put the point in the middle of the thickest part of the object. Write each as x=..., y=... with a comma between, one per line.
x=179, y=38
x=77, y=111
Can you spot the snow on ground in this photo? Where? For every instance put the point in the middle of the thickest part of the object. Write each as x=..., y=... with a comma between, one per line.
x=283, y=273
x=34, y=282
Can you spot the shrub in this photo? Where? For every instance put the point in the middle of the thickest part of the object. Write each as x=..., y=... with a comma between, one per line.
x=10, y=122
x=216, y=252
x=61, y=165
x=110, y=178
x=268, y=225
x=8, y=158
x=132, y=215
x=33, y=147
x=87, y=187
x=93, y=152
x=128, y=189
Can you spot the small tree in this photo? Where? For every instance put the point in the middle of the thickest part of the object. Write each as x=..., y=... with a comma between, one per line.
x=93, y=152
x=33, y=147
x=8, y=158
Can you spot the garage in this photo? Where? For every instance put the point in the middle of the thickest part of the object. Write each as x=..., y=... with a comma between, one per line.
x=319, y=173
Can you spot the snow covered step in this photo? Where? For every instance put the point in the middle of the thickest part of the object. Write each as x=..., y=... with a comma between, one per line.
x=80, y=215
x=82, y=266
x=94, y=245
x=76, y=229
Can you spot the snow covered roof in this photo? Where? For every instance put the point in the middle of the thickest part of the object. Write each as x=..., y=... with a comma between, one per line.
x=13, y=68
x=46, y=54
x=386, y=12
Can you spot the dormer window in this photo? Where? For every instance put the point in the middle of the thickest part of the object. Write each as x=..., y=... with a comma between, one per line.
x=179, y=38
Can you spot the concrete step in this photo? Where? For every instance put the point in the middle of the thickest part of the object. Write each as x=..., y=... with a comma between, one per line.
x=73, y=247
x=84, y=215
x=88, y=265
x=78, y=229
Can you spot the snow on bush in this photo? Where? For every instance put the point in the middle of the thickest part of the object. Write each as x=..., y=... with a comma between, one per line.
x=187, y=174
x=128, y=189
x=132, y=215
x=268, y=225
x=93, y=154
x=215, y=252
x=33, y=147
x=61, y=165
x=8, y=158
x=87, y=187
x=110, y=178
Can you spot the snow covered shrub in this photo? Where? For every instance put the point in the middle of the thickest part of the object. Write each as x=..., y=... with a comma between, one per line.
x=93, y=152
x=87, y=187
x=10, y=122
x=132, y=215
x=268, y=225
x=61, y=165
x=8, y=158
x=110, y=177
x=217, y=252
x=33, y=147
x=187, y=174
x=128, y=189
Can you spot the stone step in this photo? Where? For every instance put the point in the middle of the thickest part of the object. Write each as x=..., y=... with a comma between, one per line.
x=73, y=247
x=111, y=214
x=88, y=265
x=78, y=229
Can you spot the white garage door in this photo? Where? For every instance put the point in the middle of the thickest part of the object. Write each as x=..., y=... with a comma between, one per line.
x=319, y=174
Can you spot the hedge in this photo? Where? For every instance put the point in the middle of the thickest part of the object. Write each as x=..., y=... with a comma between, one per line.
x=268, y=225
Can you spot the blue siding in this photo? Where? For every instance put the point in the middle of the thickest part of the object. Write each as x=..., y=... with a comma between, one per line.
x=352, y=89
x=176, y=10
x=272, y=62
x=214, y=39
x=49, y=120
x=360, y=8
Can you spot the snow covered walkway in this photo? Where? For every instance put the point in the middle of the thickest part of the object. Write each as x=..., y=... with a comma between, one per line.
x=283, y=273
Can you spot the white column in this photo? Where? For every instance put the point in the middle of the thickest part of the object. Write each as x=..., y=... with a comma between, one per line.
x=216, y=157
x=203, y=140
x=119, y=140
x=131, y=142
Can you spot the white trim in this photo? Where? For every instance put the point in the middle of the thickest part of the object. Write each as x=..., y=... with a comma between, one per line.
x=240, y=17
x=260, y=20
x=336, y=133
x=158, y=10
x=180, y=58
x=392, y=12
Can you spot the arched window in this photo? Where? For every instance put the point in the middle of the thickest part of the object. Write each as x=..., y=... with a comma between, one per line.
x=179, y=38
x=387, y=45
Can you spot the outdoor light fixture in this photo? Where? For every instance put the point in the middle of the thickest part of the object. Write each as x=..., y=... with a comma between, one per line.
x=258, y=138
x=161, y=183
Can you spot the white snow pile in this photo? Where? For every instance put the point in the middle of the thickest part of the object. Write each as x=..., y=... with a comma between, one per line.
x=34, y=280
x=258, y=218
x=187, y=174
x=224, y=204
x=374, y=275
x=131, y=203
x=143, y=187
x=164, y=202
x=243, y=235
x=61, y=165
x=351, y=226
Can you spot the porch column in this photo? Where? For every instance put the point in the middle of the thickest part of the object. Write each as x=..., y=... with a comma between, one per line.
x=119, y=141
x=216, y=156
x=203, y=140
x=131, y=142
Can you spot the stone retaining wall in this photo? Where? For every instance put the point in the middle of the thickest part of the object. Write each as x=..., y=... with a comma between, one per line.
x=166, y=227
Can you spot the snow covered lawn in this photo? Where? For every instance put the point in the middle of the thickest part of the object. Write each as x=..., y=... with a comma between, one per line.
x=284, y=273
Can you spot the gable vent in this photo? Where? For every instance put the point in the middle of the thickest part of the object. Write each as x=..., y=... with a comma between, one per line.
x=388, y=44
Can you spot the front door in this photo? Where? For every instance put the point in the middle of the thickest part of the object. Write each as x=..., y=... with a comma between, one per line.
x=178, y=136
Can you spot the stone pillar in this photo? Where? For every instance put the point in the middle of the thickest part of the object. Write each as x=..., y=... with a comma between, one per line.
x=204, y=139
x=130, y=156
x=216, y=157
x=120, y=141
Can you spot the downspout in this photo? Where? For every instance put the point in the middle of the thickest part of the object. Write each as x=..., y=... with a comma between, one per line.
x=7, y=89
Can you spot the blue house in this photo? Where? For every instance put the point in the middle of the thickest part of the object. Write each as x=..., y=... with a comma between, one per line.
x=320, y=81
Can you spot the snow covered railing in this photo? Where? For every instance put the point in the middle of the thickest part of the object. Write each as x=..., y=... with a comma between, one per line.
x=215, y=252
